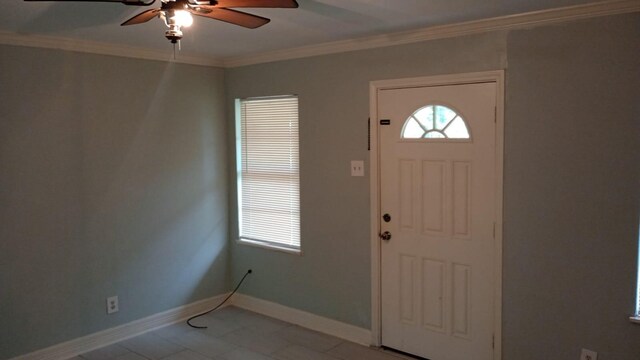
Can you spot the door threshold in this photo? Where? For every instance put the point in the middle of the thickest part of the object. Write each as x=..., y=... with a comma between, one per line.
x=401, y=353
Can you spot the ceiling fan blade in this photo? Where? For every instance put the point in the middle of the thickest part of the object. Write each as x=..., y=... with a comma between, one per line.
x=142, y=17
x=126, y=2
x=232, y=16
x=257, y=3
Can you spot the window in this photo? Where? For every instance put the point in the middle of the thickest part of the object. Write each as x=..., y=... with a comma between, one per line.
x=435, y=122
x=268, y=172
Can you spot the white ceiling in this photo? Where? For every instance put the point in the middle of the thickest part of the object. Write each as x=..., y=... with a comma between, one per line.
x=314, y=22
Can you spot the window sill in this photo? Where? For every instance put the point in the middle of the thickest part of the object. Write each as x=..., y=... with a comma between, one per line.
x=269, y=246
x=635, y=319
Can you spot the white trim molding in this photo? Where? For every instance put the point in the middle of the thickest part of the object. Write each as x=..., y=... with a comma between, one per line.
x=498, y=77
x=305, y=319
x=138, y=327
x=516, y=21
x=523, y=20
x=100, y=48
x=113, y=335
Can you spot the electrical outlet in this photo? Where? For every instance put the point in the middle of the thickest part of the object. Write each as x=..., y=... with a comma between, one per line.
x=112, y=305
x=588, y=355
x=357, y=168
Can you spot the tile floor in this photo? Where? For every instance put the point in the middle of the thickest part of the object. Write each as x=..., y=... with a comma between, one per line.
x=236, y=334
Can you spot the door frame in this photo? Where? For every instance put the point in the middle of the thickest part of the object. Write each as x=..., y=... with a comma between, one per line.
x=496, y=77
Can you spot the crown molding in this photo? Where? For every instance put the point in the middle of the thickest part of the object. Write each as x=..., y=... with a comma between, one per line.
x=517, y=21
x=92, y=47
x=523, y=20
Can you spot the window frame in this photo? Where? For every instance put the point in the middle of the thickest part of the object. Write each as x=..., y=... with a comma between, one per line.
x=246, y=240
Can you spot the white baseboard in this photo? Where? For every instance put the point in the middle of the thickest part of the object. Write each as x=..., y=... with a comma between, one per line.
x=110, y=336
x=304, y=319
x=107, y=337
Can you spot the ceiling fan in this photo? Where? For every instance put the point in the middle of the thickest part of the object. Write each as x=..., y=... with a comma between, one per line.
x=177, y=13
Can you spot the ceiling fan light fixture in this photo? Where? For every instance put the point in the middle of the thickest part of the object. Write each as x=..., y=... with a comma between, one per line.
x=180, y=18
x=175, y=20
x=177, y=13
x=183, y=18
x=174, y=34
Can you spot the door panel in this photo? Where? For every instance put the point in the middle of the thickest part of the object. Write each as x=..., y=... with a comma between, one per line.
x=437, y=269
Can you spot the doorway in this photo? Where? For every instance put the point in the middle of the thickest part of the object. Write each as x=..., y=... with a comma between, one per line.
x=438, y=194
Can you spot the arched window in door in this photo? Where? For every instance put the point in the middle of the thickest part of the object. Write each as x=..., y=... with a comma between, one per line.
x=435, y=122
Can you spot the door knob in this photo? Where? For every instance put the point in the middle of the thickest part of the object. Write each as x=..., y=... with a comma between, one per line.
x=385, y=236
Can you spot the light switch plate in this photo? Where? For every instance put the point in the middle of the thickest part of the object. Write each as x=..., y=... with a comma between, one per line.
x=357, y=168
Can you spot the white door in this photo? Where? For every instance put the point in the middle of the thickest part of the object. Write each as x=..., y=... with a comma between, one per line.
x=438, y=188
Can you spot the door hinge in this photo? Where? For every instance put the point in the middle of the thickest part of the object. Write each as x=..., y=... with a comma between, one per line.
x=494, y=230
x=493, y=341
x=495, y=114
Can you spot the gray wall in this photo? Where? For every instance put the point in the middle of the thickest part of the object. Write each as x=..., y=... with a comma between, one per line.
x=571, y=181
x=113, y=181
x=333, y=276
x=572, y=190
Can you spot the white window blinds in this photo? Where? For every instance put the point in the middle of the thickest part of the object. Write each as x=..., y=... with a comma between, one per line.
x=268, y=171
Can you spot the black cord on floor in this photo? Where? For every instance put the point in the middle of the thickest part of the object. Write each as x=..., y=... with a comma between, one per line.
x=217, y=307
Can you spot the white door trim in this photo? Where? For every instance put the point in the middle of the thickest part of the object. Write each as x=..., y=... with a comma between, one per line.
x=374, y=175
